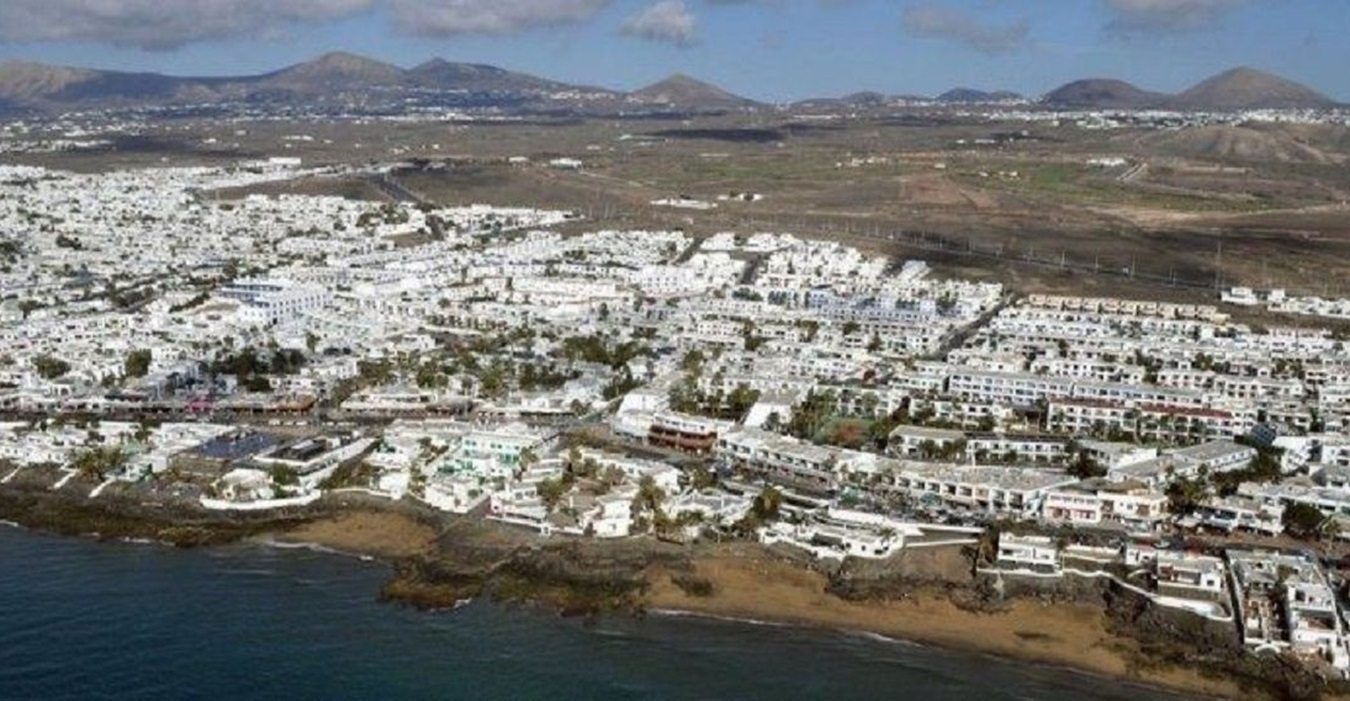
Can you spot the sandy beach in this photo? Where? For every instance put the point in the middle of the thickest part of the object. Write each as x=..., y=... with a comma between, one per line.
x=1061, y=634
x=383, y=534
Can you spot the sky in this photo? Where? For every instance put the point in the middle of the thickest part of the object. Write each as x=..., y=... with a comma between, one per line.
x=770, y=50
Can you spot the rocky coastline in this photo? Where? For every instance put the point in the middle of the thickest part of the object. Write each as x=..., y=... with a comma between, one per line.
x=931, y=597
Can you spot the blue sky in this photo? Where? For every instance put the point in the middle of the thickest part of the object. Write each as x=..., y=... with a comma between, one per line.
x=765, y=49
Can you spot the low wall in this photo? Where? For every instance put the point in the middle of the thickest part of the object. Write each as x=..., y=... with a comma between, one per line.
x=265, y=505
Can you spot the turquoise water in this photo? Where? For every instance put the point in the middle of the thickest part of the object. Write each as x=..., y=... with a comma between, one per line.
x=87, y=620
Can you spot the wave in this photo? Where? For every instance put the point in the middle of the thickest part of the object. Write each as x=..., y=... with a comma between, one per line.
x=10, y=524
x=142, y=541
x=878, y=637
x=251, y=571
x=681, y=613
x=313, y=547
x=864, y=634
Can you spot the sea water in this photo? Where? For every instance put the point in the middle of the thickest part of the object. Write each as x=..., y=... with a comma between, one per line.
x=81, y=619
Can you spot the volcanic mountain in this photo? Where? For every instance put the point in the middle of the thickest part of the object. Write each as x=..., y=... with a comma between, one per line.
x=681, y=91
x=1102, y=93
x=1247, y=88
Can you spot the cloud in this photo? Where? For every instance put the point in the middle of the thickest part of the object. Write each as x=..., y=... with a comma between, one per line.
x=160, y=25
x=1132, y=16
x=826, y=3
x=453, y=17
x=667, y=21
x=940, y=22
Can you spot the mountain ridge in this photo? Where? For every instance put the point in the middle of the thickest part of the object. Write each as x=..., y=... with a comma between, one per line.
x=341, y=78
x=1236, y=89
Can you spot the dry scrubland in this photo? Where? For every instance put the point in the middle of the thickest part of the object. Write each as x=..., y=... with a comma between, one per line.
x=1254, y=204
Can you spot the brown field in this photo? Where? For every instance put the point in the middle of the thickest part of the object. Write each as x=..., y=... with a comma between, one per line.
x=1255, y=205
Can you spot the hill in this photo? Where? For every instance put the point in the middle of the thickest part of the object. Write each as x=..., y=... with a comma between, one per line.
x=439, y=73
x=1102, y=93
x=335, y=79
x=1255, y=143
x=21, y=81
x=969, y=96
x=344, y=82
x=1247, y=88
x=681, y=91
x=335, y=71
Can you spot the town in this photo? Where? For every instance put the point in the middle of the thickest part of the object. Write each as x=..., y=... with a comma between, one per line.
x=517, y=365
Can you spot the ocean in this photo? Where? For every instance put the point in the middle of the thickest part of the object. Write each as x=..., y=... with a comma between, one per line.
x=86, y=620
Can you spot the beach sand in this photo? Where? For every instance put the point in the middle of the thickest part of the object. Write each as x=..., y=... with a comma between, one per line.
x=384, y=534
x=1072, y=635
x=758, y=586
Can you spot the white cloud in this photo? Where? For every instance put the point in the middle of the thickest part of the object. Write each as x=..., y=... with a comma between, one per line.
x=452, y=17
x=938, y=21
x=161, y=24
x=667, y=21
x=1167, y=15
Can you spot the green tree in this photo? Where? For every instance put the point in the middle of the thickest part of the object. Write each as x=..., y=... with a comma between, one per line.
x=98, y=462
x=1303, y=520
x=767, y=505
x=1084, y=467
x=693, y=361
x=740, y=400
x=50, y=367
x=551, y=492
x=137, y=363
x=812, y=414
x=647, y=505
x=28, y=306
x=701, y=478
x=283, y=475
x=1184, y=495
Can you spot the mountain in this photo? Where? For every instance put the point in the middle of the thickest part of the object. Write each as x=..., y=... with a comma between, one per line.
x=335, y=71
x=21, y=81
x=335, y=80
x=971, y=96
x=439, y=73
x=681, y=91
x=1102, y=93
x=1246, y=88
x=340, y=83
x=865, y=100
x=1233, y=90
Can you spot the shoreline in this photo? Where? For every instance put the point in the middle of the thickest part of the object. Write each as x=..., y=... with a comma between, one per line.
x=873, y=636
x=439, y=562
x=1069, y=636
x=879, y=621
x=274, y=544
